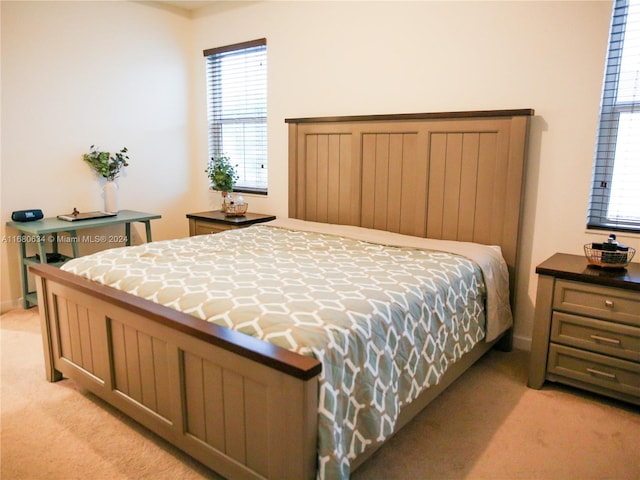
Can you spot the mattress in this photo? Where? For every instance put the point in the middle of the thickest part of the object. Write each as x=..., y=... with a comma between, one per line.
x=383, y=314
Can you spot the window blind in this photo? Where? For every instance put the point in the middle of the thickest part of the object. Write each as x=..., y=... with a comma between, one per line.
x=237, y=110
x=615, y=191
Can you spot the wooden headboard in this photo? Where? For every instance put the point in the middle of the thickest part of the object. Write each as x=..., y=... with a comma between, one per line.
x=452, y=176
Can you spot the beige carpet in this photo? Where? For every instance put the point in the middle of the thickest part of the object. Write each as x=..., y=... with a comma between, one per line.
x=488, y=425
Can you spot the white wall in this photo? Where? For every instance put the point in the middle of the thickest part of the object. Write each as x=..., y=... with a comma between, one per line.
x=325, y=58
x=350, y=58
x=75, y=74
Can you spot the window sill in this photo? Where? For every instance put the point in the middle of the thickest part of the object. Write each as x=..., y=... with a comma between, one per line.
x=618, y=233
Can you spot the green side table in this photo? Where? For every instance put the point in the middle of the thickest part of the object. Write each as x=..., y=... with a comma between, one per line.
x=47, y=230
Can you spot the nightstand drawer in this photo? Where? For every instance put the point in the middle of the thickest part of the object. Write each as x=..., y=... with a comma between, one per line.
x=610, y=373
x=205, y=228
x=622, y=341
x=593, y=300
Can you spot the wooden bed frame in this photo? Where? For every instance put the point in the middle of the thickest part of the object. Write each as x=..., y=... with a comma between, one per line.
x=241, y=406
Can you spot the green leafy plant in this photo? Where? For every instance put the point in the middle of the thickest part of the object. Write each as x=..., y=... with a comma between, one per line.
x=105, y=164
x=221, y=172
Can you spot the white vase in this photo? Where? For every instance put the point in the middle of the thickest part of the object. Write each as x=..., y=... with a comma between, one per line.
x=110, y=190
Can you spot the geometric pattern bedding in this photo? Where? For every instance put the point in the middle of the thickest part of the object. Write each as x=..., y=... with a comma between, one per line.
x=385, y=322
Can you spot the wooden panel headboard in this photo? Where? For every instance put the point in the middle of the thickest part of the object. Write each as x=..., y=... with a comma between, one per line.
x=452, y=176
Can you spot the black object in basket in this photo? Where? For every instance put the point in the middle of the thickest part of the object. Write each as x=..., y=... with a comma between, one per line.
x=609, y=254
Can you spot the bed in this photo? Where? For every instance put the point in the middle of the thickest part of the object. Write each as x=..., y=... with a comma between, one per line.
x=250, y=408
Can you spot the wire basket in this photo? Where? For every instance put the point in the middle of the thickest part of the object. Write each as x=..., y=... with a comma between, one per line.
x=608, y=259
x=235, y=209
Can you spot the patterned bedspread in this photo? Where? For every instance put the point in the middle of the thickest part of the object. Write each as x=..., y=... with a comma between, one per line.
x=384, y=321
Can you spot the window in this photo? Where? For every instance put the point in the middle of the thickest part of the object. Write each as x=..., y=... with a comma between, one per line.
x=615, y=191
x=237, y=110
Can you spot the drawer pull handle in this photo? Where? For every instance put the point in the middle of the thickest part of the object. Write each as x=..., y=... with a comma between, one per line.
x=600, y=373
x=598, y=338
x=608, y=303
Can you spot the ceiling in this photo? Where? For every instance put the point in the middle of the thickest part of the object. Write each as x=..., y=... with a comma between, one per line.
x=187, y=5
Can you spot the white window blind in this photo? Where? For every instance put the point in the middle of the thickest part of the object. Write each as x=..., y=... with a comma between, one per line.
x=615, y=191
x=237, y=110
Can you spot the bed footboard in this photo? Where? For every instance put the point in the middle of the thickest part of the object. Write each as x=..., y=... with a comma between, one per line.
x=244, y=408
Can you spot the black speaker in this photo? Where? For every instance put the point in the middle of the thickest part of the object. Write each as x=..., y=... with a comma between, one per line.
x=27, y=215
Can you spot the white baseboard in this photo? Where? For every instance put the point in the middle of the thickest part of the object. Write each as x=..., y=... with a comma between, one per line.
x=522, y=343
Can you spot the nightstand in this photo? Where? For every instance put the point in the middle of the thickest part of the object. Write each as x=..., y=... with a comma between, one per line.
x=586, y=329
x=216, y=221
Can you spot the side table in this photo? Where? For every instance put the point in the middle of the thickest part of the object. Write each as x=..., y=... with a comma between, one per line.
x=47, y=230
x=586, y=329
x=215, y=221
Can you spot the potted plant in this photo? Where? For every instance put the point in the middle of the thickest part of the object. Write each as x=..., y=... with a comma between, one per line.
x=221, y=173
x=108, y=166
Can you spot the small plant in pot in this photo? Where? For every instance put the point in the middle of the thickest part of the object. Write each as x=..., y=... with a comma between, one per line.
x=222, y=175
